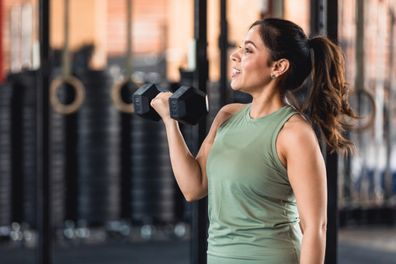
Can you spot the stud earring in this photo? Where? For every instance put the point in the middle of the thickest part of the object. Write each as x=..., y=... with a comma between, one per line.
x=273, y=76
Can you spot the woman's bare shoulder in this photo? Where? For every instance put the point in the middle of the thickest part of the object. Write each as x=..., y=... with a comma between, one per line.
x=297, y=135
x=297, y=131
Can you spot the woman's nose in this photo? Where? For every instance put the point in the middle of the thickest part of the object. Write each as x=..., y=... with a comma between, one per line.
x=235, y=56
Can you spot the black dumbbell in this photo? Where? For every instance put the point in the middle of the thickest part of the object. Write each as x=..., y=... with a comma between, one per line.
x=187, y=105
x=141, y=102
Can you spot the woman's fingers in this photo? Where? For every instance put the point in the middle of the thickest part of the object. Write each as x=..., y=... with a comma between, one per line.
x=160, y=103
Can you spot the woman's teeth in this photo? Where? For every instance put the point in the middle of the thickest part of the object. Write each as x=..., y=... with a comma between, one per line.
x=235, y=72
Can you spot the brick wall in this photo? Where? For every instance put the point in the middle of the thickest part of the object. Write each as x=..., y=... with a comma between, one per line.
x=167, y=25
x=148, y=26
x=98, y=21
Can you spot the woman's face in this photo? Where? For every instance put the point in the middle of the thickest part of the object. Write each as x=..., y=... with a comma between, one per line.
x=249, y=64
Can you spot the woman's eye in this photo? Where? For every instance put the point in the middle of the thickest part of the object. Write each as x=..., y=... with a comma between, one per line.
x=247, y=50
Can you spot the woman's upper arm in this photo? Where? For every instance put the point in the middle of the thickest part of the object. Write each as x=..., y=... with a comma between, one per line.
x=306, y=171
x=224, y=113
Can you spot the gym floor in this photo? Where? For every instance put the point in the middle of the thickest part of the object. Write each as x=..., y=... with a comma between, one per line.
x=356, y=246
x=367, y=245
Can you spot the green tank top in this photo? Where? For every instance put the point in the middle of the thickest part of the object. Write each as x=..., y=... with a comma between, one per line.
x=251, y=206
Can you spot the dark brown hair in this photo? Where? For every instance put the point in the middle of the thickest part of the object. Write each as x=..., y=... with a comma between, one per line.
x=317, y=61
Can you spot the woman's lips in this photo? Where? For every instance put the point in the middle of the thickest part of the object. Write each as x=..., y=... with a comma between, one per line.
x=235, y=72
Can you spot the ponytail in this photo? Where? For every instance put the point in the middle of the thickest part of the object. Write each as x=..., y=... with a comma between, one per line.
x=327, y=103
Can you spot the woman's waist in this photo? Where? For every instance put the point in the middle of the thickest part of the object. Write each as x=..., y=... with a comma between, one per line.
x=273, y=249
x=282, y=235
x=284, y=258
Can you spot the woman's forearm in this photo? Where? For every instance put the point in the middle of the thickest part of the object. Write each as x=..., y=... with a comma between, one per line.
x=185, y=167
x=313, y=246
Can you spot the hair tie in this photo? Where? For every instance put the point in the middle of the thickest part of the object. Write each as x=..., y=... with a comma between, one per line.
x=309, y=43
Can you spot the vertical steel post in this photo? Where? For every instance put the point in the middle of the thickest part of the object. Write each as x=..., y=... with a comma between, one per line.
x=201, y=74
x=129, y=41
x=223, y=45
x=331, y=24
x=388, y=121
x=324, y=21
x=278, y=8
x=1, y=42
x=318, y=17
x=360, y=65
x=42, y=140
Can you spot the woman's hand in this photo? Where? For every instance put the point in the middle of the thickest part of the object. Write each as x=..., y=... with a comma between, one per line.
x=160, y=103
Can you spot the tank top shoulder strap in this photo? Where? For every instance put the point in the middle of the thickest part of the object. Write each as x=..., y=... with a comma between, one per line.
x=238, y=114
x=288, y=112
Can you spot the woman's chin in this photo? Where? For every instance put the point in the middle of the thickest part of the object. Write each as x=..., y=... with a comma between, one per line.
x=234, y=86
x=237, y=88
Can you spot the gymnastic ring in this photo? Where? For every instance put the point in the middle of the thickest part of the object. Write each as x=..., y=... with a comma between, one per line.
x=372, y=115
x=117, y=100
x=56, y=104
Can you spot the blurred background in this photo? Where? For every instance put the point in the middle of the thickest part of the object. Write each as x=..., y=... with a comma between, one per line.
x=113, y=198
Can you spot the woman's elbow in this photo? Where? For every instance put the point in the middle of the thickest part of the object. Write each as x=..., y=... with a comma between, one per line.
x=192, y=197
x=320, y=228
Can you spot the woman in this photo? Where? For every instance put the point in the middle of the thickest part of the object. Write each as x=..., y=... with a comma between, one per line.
x=260, y=164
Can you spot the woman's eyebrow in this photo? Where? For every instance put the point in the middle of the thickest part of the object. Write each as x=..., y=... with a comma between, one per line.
x=250, y=42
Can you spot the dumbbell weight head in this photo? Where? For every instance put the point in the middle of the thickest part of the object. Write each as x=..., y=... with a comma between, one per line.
x=188, y=105
x=141, y=101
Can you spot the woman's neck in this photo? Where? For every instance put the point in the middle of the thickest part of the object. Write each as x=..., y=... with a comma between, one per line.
x=265, y=103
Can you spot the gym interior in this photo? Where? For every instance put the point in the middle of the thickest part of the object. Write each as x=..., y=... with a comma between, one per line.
x=84, y=179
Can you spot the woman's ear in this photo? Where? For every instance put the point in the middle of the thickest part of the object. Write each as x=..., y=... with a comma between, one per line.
x=279, y=67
